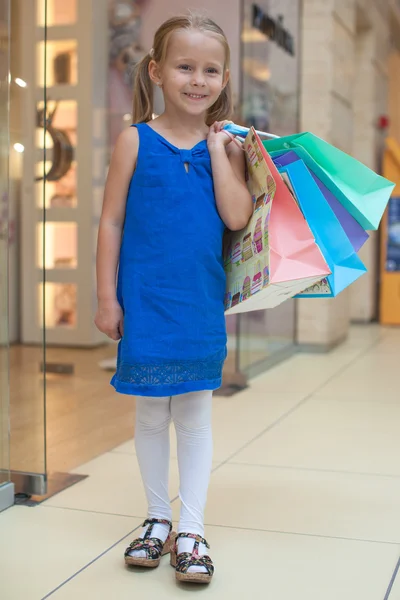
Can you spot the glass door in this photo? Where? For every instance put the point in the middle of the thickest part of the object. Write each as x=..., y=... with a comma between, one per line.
x=28, y=156
x=6, y=489
x=269, y=100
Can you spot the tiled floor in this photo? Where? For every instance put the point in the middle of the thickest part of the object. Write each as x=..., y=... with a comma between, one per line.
x=303, y=504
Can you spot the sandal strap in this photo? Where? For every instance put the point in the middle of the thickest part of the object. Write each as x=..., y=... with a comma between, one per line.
x=151, y=523
x=185, y=560
x=151, y=545
x=198, y=539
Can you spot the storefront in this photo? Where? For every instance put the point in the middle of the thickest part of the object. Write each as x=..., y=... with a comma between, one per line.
x=70, y=97
x=6, y=487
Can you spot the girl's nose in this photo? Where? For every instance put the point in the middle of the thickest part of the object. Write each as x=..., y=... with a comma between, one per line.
x=198, y=79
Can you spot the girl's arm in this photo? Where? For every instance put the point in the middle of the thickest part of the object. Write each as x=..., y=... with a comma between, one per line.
x=228, y=165
x=109, y=314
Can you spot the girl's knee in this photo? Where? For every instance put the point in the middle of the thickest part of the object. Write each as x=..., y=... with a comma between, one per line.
x=192, y=411
x=153, y=412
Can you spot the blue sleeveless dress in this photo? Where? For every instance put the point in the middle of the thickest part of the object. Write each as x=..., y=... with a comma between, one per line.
x=171, y=279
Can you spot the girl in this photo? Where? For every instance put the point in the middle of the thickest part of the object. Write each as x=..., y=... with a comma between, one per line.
x=174, y=184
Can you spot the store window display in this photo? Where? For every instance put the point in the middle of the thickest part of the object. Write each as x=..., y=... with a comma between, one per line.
x=125, y=51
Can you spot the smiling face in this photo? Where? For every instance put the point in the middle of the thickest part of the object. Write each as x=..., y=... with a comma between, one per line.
x=193, y=74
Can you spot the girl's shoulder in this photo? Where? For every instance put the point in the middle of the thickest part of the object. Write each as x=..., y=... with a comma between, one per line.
x=127, y=147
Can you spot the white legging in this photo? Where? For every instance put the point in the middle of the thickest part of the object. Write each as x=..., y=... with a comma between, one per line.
x=191, y=414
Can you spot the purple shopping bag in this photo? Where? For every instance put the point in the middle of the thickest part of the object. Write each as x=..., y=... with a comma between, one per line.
x=354, y=231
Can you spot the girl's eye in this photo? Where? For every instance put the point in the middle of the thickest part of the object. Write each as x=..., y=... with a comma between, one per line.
x=184, y=67
x=212, y=70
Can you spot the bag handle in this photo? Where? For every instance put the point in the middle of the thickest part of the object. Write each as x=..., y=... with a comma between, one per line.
x=240, y=131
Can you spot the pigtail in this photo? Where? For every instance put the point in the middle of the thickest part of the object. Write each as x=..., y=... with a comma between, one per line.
x=143, y=97
x=222, y=109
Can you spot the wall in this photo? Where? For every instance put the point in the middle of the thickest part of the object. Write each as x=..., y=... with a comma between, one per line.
x=344, y=89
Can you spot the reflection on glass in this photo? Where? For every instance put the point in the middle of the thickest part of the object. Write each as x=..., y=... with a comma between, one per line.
x=61, y=63
x=60, y=304
x=58, y=194
x=266, y=336
x=60, y=251
x=59, y=12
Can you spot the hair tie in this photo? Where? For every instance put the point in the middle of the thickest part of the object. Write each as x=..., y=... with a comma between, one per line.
x=151, y=52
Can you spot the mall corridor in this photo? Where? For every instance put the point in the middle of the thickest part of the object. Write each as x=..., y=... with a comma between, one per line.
x=303, y=504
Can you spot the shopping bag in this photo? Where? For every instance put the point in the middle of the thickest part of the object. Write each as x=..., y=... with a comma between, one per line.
x=354, y=231
x=361, y=191
x=346, y=267
x=275, y=257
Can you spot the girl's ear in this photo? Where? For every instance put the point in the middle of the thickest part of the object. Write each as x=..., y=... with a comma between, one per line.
x=155, y=73
x=226, y=78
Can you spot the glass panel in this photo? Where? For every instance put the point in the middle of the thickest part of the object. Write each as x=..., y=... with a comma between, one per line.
x=269, y=102
x=61, y=116
x=56, y=12
x=60, y=250
x=27, y=382
x=265, y=337
x=57, y=194
x=4, y=243
x=60, y=304
x=61, y=63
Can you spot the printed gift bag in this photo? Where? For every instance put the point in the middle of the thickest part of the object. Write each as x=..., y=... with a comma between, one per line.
x=275, y=257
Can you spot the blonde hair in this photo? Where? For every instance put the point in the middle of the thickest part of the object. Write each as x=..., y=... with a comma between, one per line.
x=143, y=100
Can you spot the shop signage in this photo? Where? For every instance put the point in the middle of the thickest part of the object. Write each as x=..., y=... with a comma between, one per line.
x=273, y=29
x=393, y=235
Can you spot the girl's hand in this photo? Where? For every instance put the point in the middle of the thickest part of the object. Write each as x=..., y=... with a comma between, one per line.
x=109, y=319
x=217, y=138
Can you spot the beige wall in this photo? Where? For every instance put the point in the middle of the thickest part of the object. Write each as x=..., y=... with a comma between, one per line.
x=394, y=93
x=344, y=90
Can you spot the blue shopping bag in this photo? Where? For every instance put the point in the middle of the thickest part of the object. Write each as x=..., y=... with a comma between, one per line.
x=338, y=251
x=356, y=234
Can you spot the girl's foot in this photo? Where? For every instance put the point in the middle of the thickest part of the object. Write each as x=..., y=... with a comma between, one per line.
x=190, y=559
x=155, y=540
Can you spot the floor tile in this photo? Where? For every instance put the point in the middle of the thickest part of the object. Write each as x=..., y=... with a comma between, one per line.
x=303, y=373
x=309, y=502
x=114, y=486
x=282, y=566
x=41, y=547
x=365, y=378
x=359, y=435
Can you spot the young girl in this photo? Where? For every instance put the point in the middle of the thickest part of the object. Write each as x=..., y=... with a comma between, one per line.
x=174, y=184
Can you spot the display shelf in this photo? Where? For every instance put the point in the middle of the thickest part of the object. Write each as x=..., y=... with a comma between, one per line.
x=60, y=248
x=55, y=215
x=57, y=194
x=59, y=63
x=57, y=92
x=60, y=301
x=57, y=33
x=60, y=215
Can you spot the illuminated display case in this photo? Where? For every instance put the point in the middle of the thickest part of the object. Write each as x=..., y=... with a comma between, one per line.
x=65, y=66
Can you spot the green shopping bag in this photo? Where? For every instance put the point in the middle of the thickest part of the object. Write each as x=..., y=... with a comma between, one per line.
x=361, y=191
